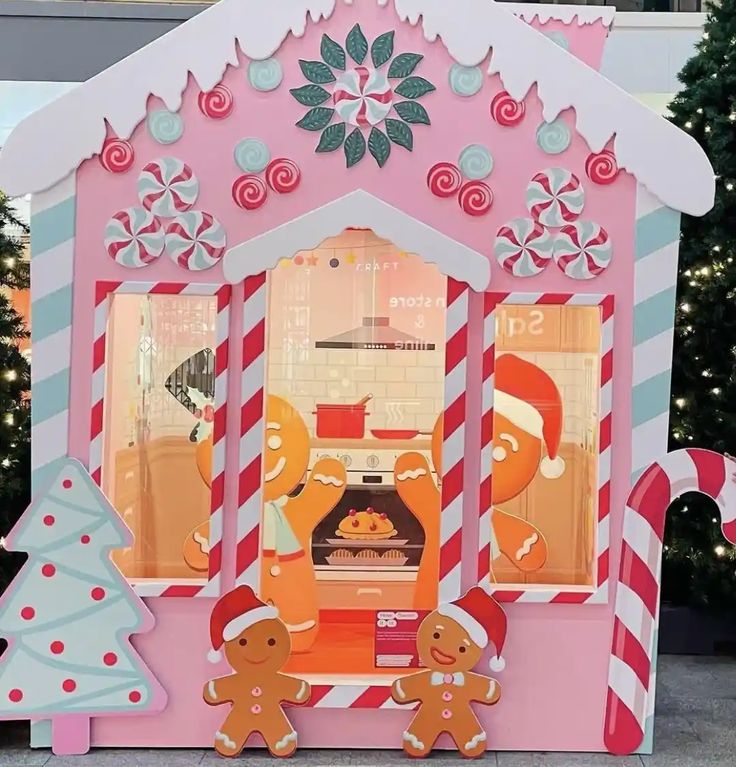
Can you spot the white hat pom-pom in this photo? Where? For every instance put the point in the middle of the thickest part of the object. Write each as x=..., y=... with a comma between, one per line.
x=552, y=468
x=214, y=656
x=497, y=663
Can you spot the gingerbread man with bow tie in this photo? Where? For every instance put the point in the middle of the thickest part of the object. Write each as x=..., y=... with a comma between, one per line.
x=451, y=641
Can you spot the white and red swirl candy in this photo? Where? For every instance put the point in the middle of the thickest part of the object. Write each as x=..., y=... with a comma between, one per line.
x=444, y=179
x=134, y=238
x=282, y=175
x=167, y=187
x=249, y=192
x=523, y=247
x=475, y=198
x=217, y=103
x=555, y=197
x=116, y=155
x=195, y=240
x=506, y=111
x=602, y=168
x=583, y=250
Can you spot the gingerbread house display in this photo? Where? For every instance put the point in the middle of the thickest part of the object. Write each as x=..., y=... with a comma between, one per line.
x=361, y=304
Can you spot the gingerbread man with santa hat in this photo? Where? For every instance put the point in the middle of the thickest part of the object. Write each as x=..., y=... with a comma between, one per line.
x=451, y=641
x=256, y=644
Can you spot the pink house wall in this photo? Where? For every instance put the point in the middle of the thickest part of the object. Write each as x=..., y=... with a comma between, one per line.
x=557, y=655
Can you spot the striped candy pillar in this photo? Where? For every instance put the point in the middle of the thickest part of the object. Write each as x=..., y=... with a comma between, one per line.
x=53, y=227
x=53, y=224
x=453, y=445
x=655, y=288
x=250, y=494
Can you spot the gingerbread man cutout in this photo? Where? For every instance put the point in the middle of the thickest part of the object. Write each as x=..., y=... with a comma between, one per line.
x=287, y=576
x=256, y=645
x=450, y=642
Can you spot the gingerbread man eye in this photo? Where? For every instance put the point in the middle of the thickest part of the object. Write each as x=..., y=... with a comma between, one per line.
x=242, y=642
x=499, y=453
x=274, y=442
x=462, y=648
x=436, y=635
x=271, y=642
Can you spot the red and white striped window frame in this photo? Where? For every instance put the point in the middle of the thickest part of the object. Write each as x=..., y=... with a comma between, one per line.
x=252, y=432
x=598, y=593
x=103, y=292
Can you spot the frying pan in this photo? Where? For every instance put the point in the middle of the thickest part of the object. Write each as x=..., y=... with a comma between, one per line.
x=398, y=433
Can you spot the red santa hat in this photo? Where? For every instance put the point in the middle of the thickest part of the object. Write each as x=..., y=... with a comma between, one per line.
x=530, y=399
x=232, y=614
x=483, y=618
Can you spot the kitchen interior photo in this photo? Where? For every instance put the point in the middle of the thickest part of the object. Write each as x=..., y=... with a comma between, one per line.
x=356, y=344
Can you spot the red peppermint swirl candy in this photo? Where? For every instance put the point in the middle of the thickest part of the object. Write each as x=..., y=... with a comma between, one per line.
x=602, y=168
x=282, y=175
x=444, y=179
x=249, y=192
x=475, y=198
x=505, y=111
x=217, y=103
x=117, y=155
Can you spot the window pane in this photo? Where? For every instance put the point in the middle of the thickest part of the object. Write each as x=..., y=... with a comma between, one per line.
x=352, y=319
x=545, y=444
x=159, y=397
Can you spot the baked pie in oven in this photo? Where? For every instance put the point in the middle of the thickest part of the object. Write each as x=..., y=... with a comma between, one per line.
x=366, y=526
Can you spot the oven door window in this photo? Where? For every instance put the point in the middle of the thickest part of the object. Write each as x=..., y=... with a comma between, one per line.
x=355, y=387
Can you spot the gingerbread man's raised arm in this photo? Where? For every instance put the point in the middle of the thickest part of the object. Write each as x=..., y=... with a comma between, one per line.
x=408, y=689
x=221, y=690
x=293, y=690
x=323, y=490
x=482, y=689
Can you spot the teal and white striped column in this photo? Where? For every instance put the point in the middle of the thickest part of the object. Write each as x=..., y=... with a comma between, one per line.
x=53, y=224
x=655, y=289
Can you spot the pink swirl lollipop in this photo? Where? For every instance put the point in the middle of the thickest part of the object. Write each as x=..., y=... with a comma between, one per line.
x=475, y=198
x=583, y=250
x=444, y=179
x=505, y=111
x=602, y=168
x=249, y=192
x=217, y=103
x=134, y=238
x=167, y=187
x=523, y=247
x=555, y=197
x=195, y=240
x=282, y=175
x=117, y=155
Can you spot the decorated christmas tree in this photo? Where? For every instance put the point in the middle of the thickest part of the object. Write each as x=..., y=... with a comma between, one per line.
x=69, y=614
x=699, y=565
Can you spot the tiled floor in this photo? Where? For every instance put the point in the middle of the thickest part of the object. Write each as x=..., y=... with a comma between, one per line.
x=696, y=727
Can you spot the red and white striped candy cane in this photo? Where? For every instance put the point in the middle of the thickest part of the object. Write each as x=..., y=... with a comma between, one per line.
x=637, y=592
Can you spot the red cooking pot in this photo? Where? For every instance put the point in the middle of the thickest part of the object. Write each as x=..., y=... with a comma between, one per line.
x=342, y=421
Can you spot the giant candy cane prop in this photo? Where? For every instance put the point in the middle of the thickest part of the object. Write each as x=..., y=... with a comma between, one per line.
x=637, y=593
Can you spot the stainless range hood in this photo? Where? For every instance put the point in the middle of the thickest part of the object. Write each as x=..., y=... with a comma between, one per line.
x=375, y=333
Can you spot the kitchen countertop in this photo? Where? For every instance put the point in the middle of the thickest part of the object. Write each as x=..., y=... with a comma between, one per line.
x=371, y=444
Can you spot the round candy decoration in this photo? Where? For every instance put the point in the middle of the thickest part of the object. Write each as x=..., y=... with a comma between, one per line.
x=167, y=187
x=602, y=168
x=363, y=96
x=505, y=111
x=583, y=250
x=265, y=75
x=134, y=238
x=475, y=198
x=195, y=240
x=444, y=179
x=283, y=176
x=465, y=81
x=217, y=103
x=164, y=126
x=252, y=155
x=475, y=162
x=523, y=247
x=249, y=192
x=117, y=155
x=554, y=137
x=555, y=197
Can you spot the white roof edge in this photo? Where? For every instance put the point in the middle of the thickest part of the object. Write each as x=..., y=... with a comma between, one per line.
x=582, y=14
x=644, y=142
x=362, y=210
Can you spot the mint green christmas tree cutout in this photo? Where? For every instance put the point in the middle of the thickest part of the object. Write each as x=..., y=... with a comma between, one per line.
x=362, y=85
x=69, y=614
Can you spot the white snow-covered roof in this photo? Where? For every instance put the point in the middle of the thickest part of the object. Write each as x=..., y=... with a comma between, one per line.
x=667, y=161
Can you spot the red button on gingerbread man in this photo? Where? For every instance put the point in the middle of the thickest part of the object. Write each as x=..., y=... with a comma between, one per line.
x=451, y=641
x=257, y=646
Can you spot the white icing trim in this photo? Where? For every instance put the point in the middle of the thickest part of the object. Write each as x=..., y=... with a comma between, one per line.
x=475, y=740
x=327, y=479
x=225, y=739
x=357, y=209
x=411, y=474
x=302, y=691
x=645, y=143
x=399, y=689
x=242, y=622
x=476, y=632
x=519, y=412
x=211, y=689
x=582, y=14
